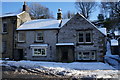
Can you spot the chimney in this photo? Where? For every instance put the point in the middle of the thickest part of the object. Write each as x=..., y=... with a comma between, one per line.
x=59, y=14
x=24, y=7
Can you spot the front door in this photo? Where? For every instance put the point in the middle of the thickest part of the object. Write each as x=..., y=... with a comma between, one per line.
x=64, y=55
x=20, y=51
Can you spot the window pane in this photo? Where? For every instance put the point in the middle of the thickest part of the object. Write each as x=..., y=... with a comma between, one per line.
x=4, y=27
x=39, y=36
x=35, y=49
x=93, y=55
x=43, y=51
x=39, y=51
x=35, y=52
x=80, y=55
x=88, y=37
x=21, y=37
x=81, y=37
x=86, y=55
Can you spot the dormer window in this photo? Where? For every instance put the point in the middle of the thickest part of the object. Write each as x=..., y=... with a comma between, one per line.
x=4, y=27
x=39, y=36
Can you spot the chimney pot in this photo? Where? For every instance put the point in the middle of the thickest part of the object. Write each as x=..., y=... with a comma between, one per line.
x=59, y=14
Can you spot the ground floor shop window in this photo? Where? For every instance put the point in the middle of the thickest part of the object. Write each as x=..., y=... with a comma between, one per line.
x=87, y=55
x=39, y=51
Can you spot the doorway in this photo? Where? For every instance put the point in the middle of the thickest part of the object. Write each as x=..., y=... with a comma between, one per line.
x=64, y=55
x=20, y=54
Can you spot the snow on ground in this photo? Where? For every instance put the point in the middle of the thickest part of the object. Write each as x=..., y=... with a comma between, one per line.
x=75, y=69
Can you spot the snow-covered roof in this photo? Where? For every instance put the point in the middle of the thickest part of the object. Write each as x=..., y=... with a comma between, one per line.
x=51, y=24
x=43, y=24
x=11, y=14
x=114, y=42
x=62, y=44
x=38, y=45
x=103, y=30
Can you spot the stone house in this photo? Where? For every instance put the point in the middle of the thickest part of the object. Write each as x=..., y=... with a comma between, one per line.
x=9, y=23
x=75, y=39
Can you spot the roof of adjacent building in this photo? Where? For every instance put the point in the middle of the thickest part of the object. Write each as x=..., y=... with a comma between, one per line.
x=11, y=14
x=43, y=24
x=114, y=42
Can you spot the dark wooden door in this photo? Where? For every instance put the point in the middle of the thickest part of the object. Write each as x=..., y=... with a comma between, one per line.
x=65, y=56
x=20, y=54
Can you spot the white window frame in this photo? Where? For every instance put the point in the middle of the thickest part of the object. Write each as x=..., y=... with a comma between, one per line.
x=94, y=56
x=84, y=36
x=19, y=37
x=39, y=48
x=90, y=55
x=37, y=37
x=90, y=36
x=3, y=27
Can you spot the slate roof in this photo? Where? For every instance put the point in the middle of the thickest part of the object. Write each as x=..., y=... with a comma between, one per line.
x=43, y=24
x=52, y=24
x=11, y=14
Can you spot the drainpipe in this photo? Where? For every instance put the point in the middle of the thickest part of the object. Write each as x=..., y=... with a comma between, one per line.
x=13, y=35
x=57, y=36
x=58, y=31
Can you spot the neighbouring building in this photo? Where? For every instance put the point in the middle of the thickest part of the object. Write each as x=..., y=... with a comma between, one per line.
x=114, y=47
x=10, y=22
x=75, y=39
x=115, y=43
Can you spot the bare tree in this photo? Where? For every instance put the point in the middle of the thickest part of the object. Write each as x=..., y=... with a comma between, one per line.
x=68, y=15
x=85, y=8
x=38, y=11
x=112, y=8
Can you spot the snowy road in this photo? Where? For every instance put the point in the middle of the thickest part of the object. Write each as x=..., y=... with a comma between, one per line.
x=74, y=70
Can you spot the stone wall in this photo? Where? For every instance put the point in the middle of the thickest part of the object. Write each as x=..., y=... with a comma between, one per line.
x=68, y=34
x=8, y=37
x=49, y=38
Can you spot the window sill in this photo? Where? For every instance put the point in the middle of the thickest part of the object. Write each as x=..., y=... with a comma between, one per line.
x=84, y=43
x=39, y=56
x=86, y=60
x=4, y=52
x=38, y=41
x=21, y=42
x=4, y=32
